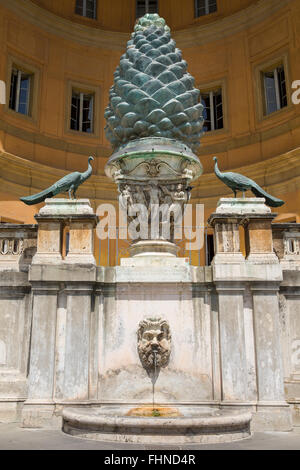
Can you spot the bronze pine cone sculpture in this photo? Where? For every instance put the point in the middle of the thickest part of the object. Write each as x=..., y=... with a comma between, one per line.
x=153, y=94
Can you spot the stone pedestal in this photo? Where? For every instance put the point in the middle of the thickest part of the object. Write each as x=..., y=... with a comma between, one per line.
x=79, y=216
x=227, y=239
x=162, y=248
x=49, y=243
x=258, y=238
x=81, y=240
x=61, y=310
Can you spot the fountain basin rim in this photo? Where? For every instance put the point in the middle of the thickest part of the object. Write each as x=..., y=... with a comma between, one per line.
x=78, y=416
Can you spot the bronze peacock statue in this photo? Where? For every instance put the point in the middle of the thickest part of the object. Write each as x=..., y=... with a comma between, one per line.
x=68, y=183
x=238, y=182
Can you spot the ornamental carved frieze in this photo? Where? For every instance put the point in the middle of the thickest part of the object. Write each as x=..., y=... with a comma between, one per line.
x=162, y=200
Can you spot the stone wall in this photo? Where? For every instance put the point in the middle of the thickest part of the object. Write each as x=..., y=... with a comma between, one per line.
x=68, y=335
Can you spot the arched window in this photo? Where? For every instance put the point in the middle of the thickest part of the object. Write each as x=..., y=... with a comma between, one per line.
x=146, y=6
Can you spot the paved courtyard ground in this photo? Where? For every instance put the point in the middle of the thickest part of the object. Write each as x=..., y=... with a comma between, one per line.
x=12, y=437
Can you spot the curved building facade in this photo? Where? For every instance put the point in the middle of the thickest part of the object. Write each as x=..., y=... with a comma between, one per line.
x=58, y=60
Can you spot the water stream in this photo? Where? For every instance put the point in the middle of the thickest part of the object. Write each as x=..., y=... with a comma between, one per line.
x=154, y=379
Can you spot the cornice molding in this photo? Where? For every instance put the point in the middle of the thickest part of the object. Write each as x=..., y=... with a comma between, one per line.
x=102, y=151
x=59, y=26
x=81, y=148
x=189, y=37
x=230, y=25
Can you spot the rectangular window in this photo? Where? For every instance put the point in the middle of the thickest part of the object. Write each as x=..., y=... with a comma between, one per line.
x=20, y=91
x=205, y=7
x=82, y=112
x=86, y=8
x=213, y=110
x=274, y=89
x=146, y=6
x=209, y=249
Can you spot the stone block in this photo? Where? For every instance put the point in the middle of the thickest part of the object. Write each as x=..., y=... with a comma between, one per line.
x=242, y=206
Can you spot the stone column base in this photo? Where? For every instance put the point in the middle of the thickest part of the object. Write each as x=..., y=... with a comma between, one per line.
x=80, y=258
x=153, y=247
x=46, y=258
x=272, y=418
x=228, y=258
x=40, y=415
x=262, y=258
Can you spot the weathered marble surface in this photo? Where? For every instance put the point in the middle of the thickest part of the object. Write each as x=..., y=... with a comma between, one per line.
x=241, y=206
x=235, y=334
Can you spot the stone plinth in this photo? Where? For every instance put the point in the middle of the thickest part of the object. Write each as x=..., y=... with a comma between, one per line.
x=58, y=213
x=242, y=206
x=227, y=238
x=49, y=241
x=161, y=248
x=259, y=239
x=81, y=240
x=256, y=218
x=66, y=207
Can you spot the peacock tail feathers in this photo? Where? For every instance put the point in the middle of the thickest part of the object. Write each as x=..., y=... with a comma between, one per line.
x=270, y=200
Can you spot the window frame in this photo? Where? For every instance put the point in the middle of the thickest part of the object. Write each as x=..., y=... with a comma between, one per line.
x=210, y=87
x=82, y=94
x=84, y=4
x=207, y=12
x=146, y=7
x=278, y=98
x=18, y=91
x=35, y=92
x=89, y=89
x=259, y=89
x=212, y=106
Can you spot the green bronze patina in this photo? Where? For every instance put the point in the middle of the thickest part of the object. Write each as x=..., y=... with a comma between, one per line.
x=238, y=182
x=68, y=183
x=153, y=94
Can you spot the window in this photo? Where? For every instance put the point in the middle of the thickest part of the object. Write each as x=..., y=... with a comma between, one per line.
x=2, y=92
x=86, y=8
x=205, y=7
x=275, y=93
x=82, y=112
x=146, y=6
x=209, y=249
x=20, y=91
x=213, y=110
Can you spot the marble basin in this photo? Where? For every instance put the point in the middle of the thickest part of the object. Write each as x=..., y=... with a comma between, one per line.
x=128, y=424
